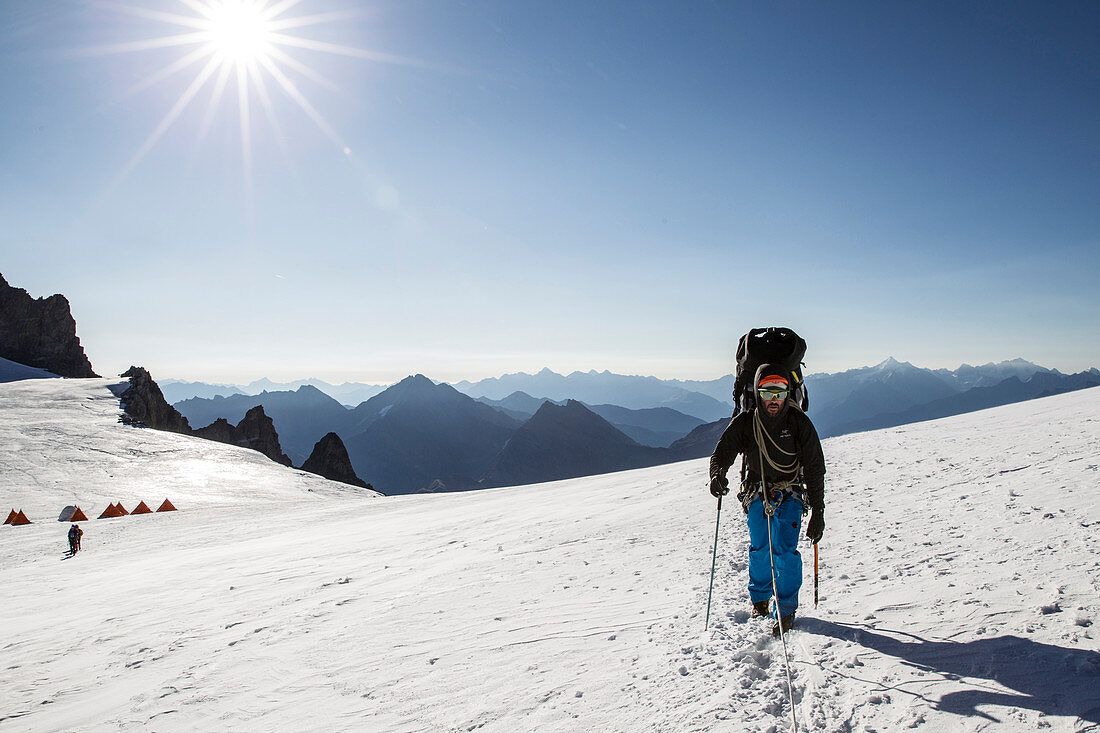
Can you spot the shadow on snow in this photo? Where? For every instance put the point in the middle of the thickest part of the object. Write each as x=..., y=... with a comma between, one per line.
x=1050, y=679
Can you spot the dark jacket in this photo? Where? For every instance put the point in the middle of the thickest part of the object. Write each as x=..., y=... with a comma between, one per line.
x=792, y=431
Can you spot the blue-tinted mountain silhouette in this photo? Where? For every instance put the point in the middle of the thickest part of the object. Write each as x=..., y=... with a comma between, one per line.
x=601, y=388
x=566, y=441
x=301, y=417
x=418, y=436
x=1013, y=389
x=657, y=427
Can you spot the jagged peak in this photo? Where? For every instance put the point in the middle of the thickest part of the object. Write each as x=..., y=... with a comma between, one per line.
x=416, y=380
x=255, y=412
x=569, y=407
x=1017, y=362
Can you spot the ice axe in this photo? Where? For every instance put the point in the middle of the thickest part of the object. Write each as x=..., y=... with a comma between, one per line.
x=815, y=575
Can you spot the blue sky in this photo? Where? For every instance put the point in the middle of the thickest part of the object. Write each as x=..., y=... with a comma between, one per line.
x=502, y=186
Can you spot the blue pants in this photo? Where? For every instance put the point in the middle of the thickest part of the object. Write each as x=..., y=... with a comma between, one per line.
x=785, y=526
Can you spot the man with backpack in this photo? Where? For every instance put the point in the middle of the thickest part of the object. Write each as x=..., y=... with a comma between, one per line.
x=75, y=533
x=781, y=451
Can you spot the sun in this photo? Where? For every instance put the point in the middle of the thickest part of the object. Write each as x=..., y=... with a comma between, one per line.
x=250, y=47
x=239, y=31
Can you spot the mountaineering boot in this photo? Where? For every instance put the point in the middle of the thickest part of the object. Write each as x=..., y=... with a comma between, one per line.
x=786, y=623
x=760, y=608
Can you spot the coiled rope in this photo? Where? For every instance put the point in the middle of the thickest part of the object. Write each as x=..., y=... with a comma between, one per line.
x=760, y=433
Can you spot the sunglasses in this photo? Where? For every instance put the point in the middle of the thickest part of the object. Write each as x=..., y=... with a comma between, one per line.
x=772, y=394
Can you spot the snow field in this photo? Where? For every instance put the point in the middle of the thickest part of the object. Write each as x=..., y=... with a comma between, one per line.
x=960, y=588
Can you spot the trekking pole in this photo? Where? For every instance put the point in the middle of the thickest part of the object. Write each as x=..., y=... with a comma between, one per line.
x=815, y=575
x=713, y=561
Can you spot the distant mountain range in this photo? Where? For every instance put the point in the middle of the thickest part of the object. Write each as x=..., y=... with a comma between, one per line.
x=603, y=388
x=418, y=435
x=893, y=392
x=348, y=393
x=1010, y=390
x=591, y=388
x=422, y=436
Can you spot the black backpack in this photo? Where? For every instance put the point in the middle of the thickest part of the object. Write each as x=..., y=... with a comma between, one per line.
x=769, y=346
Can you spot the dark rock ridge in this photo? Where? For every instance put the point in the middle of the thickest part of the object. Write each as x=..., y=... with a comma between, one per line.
x=255, y=431
x=259, y=432
x=330, y=460
x=222, y=431
x=301, y=417
x=145, y=405
x=40, y=333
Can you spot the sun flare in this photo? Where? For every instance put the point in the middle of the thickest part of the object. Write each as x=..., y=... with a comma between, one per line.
x=239, y=31
x=250, y=47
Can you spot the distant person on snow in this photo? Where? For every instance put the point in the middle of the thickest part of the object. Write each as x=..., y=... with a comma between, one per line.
x=781, y=451
x=75, y=533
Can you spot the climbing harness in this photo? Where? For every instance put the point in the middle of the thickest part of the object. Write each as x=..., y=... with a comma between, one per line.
x=772, y=494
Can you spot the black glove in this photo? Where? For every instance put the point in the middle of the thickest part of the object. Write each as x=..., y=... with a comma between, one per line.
x=816, y=526
x=719, y=486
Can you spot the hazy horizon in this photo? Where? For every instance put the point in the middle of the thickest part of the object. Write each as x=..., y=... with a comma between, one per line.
x=339, y=381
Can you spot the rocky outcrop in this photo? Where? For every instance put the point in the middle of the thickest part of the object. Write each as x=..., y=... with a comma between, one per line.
x=257, y=429
x=145, y=405
x=222, y=431
x=330, y=459
x=301, y=417
x=40, y=333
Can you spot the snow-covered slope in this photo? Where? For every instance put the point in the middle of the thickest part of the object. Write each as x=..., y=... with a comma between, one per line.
x=960, y=589
x=11, y=371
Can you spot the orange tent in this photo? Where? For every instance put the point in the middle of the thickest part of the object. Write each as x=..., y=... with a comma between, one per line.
x=20, y=518
x=11, y=517
x=121, y=509
x=142, y=508
x=166, y=507
x=78, y=516
x=109, y=512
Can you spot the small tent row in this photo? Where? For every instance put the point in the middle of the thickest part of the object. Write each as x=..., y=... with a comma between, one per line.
x=76, y=514
x=117, y=510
